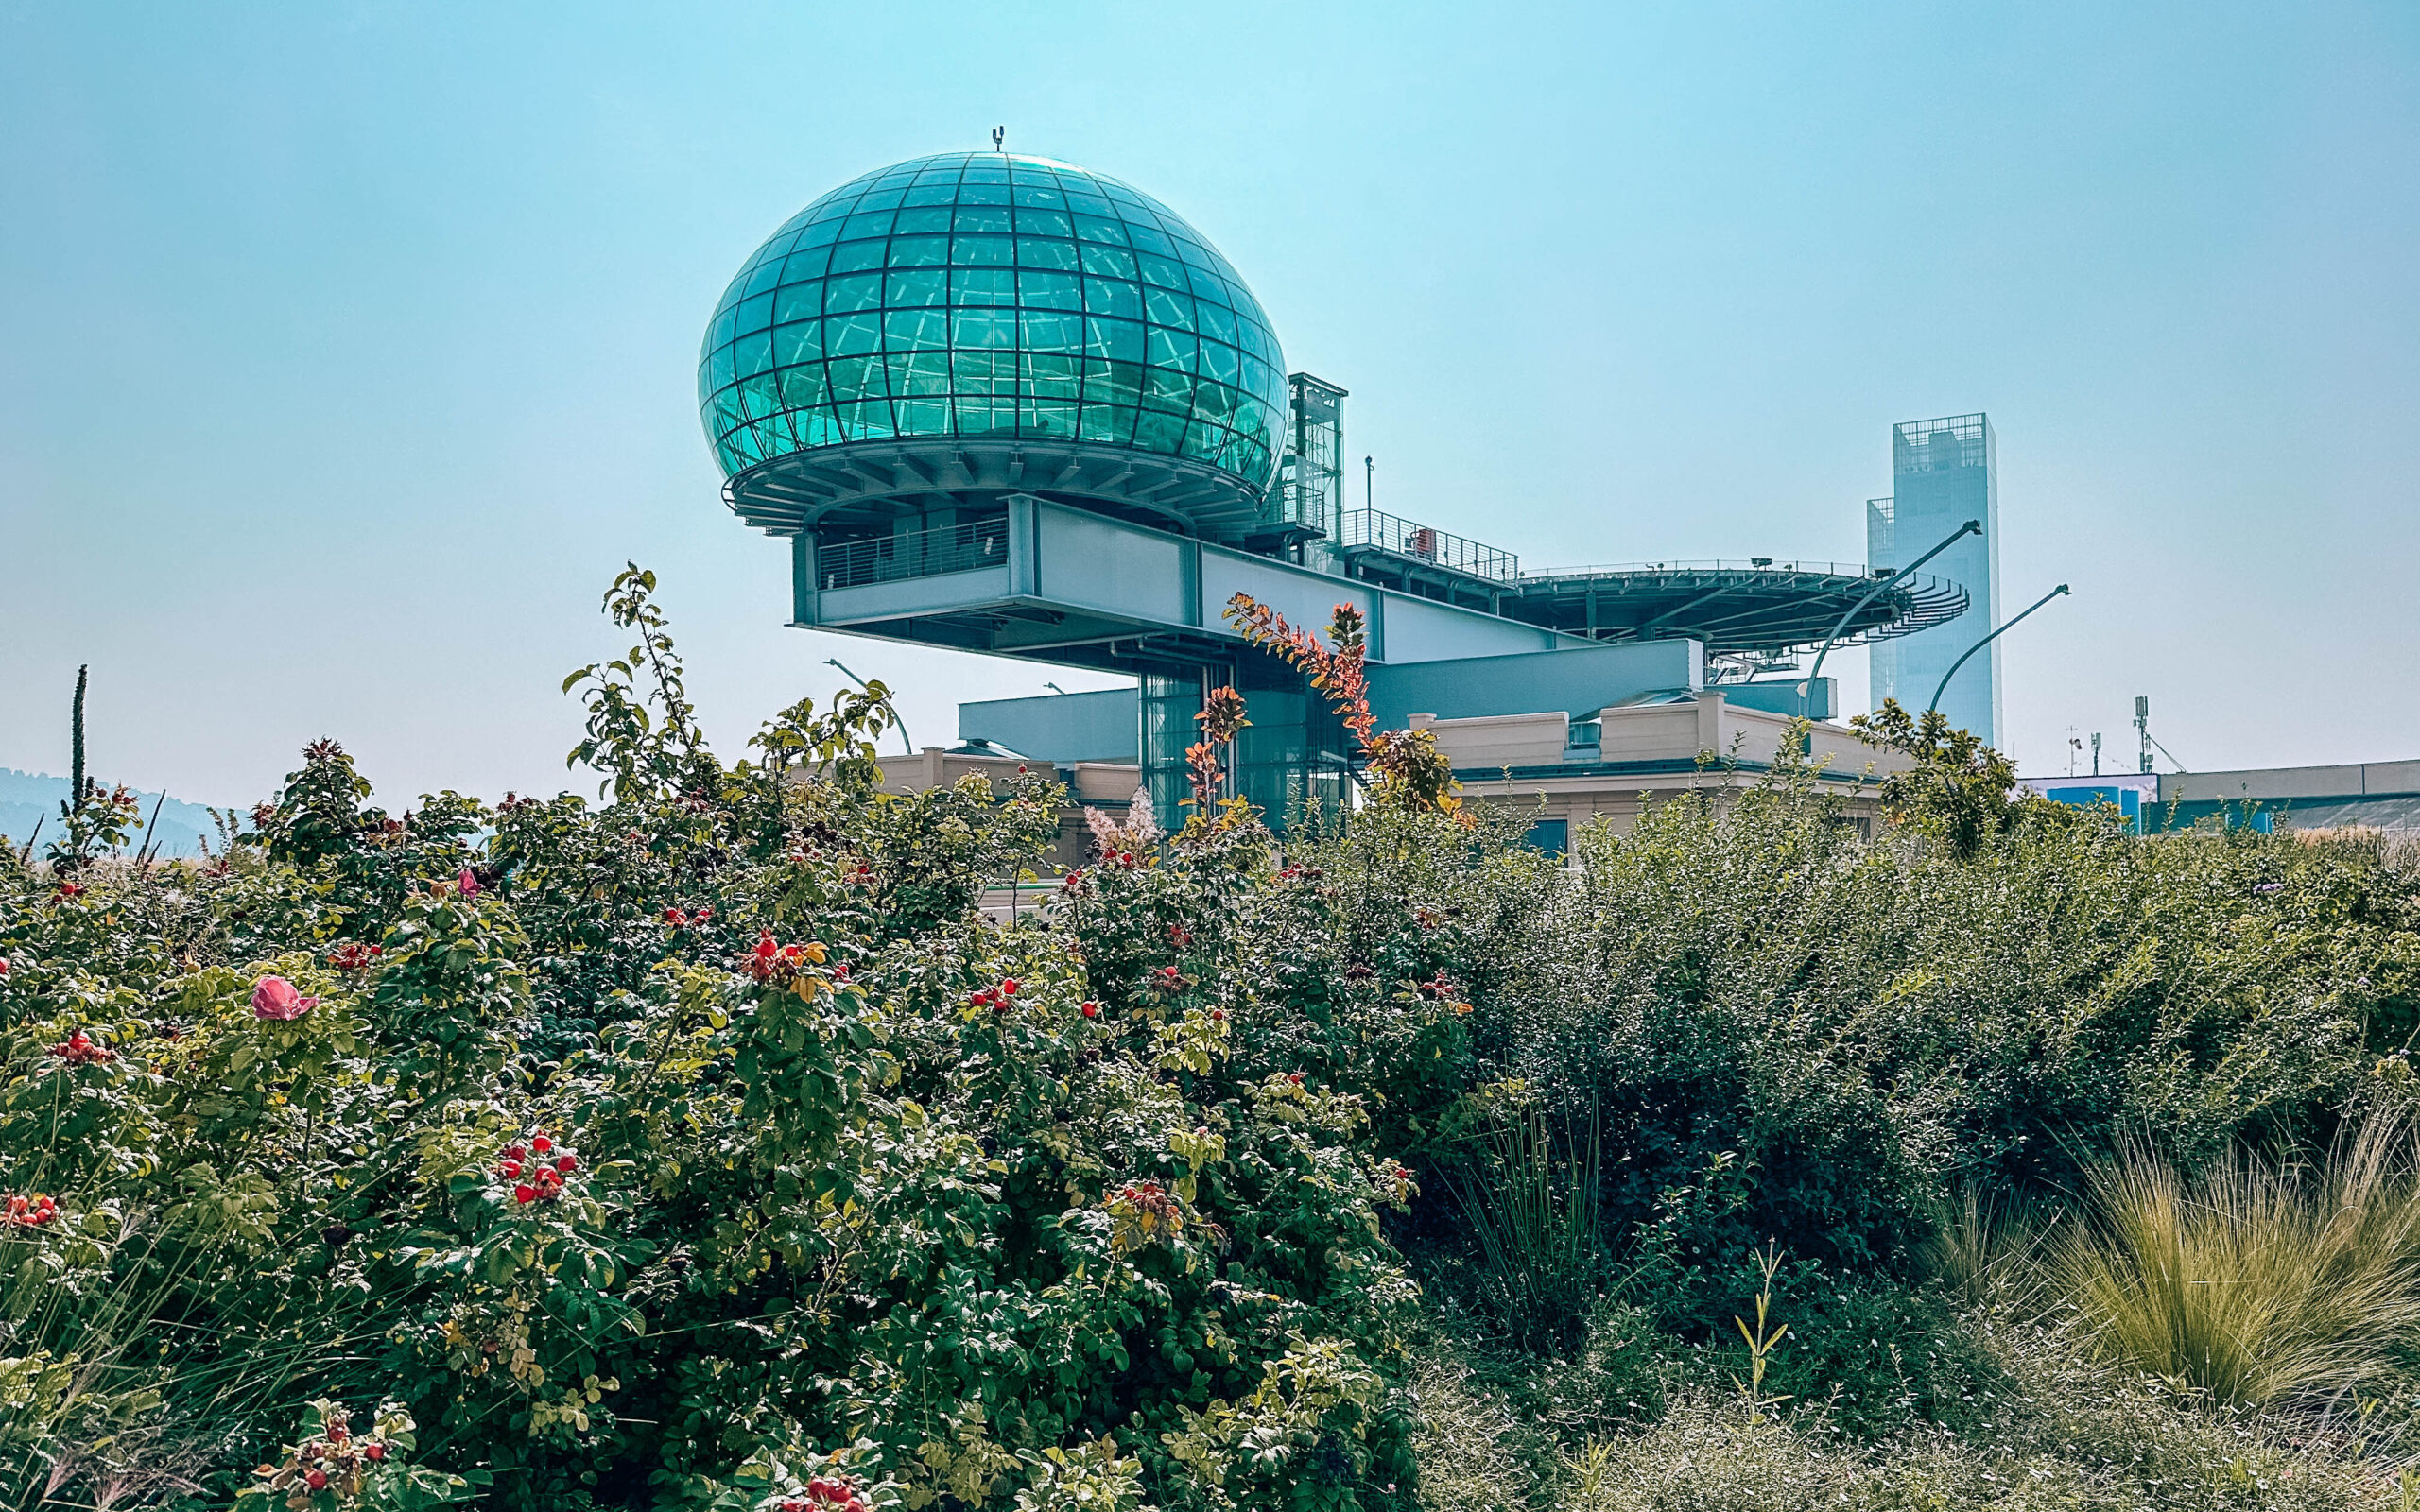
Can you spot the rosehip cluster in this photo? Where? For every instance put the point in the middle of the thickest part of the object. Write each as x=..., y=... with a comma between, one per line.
x=1167, y=979
x=771, y=962
x=78, y=1049
x=29, y=1213
x=70, y=889
x=538, y=1169
x=998, y=999
x=859, y=876
x=352, y=956
x=339, y=1458
x=678, y=919
x=826, y=1493
x=1118, y=858
x=1144, y=1210
x=1180, y=936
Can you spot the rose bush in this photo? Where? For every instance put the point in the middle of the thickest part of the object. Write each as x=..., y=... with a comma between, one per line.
x=705, y=1145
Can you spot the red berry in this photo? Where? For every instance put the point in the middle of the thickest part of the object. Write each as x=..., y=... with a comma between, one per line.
x=373, y=1452
x=542, y=1145
x=567, y=1162
x=1010, y=986
x=524, y=1193
x=316, y=1480
x=1218, y=1015
x=1092, y=1010
x=510, y=1168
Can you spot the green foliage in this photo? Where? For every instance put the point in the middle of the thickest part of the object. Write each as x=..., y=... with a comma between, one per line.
x=656, y=1153
x=705, y=1145
x=1958, y=792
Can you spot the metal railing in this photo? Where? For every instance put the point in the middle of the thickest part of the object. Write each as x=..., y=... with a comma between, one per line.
x=916, y=554
x=1376, y=530
x=1758, y=564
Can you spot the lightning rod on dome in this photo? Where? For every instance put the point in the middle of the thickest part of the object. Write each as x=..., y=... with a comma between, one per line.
x=999, y=134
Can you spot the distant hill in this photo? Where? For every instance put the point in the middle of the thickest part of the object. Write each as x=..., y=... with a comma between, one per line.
x=29, y=798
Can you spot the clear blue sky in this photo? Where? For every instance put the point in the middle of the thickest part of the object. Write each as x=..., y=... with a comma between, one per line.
x=347, y=350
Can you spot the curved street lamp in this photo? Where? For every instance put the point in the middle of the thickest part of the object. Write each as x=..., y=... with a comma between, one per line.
x=834, y=662
x=1986, y=640
x=1972, y=527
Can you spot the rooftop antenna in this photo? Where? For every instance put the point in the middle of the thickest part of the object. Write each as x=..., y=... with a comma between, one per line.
x=999, y=134
x=1369, y=482
x=2143, y=724
x=2095, y=753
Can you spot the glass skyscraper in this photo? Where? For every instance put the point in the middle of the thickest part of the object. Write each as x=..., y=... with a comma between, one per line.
x=1943, y=474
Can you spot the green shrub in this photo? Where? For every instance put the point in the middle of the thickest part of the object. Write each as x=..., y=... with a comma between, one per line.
x=1109, y=1206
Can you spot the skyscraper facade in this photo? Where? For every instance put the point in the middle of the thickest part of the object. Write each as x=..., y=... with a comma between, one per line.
x=1943, y=474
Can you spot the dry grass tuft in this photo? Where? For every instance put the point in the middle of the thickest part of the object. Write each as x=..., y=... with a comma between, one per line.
x=2253, y=1283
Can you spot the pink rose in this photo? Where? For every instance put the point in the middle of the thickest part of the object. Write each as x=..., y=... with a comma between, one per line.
x=274, y=999
x=468, y=885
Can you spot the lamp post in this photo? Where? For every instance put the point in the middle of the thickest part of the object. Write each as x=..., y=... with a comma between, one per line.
x=1988, y=640
x=909, y=744
x=1972, y=527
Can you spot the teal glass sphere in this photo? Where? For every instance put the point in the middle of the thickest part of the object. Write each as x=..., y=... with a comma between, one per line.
x=994, y=297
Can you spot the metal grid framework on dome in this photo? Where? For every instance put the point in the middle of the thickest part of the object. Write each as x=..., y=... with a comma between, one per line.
x=1732, y=606
x=988, y=300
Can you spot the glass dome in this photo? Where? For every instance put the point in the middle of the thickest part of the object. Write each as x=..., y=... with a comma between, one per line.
x=987, y=295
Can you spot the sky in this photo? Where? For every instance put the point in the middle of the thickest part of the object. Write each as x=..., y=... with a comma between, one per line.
x=347, y=351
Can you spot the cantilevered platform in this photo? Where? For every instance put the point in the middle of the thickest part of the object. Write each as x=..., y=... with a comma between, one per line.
x=1757, y=605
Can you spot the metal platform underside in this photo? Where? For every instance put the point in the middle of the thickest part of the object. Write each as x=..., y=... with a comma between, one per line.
x=1733, y=607
x=872, y=481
